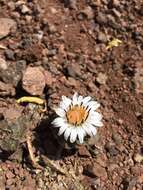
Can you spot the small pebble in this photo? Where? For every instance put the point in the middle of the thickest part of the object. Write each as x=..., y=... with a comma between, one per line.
x=3, y=64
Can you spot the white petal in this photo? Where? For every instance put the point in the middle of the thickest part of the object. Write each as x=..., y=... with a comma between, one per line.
x=80, y=98
x=98, y=123
x=81, y=134
x=67, y=133
x=75, y=98
x=87, y=129
x=95, y=119
x=67, y=100
x=93, y=105
x=93, y=130
x=95, y=122
x=93, y=115
x=59, y=122
x=62, y=129
x=60, y=112
x=65, y=103
x=86, y=99
x=73, y=135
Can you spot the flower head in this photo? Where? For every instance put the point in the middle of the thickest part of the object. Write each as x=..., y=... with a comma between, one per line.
x=77, y=117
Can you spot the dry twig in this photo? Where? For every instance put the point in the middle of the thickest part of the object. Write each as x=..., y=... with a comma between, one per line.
x=52, y=165
x=31, y=154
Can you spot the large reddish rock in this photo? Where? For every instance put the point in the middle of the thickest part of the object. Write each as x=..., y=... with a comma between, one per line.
x=83, y=152
x=34, y=80
x=95, y=170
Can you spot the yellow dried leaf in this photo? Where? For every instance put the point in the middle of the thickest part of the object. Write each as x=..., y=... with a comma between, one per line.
x=113, y=43
x=30, y=99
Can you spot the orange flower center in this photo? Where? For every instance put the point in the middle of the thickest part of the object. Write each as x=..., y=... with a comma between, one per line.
x=76, y=115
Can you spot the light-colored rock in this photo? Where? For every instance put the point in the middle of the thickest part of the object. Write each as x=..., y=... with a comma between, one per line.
x=138, y=78
x=3, y=64
x=25, y=9
x=101, y=78
x=138, y=158
x=6, y=24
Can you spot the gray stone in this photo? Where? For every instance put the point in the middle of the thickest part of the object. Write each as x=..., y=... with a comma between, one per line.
x=13, y=73
x=88, y=12
x=71, y=4
x=101, y=18
x=74, y=70
x=111, y=148
x=9, y=54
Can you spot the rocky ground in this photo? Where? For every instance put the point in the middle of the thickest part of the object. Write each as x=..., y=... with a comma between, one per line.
x=51, y=48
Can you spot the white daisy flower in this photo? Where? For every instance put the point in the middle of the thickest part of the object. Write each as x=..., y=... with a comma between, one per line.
x=77, y=118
